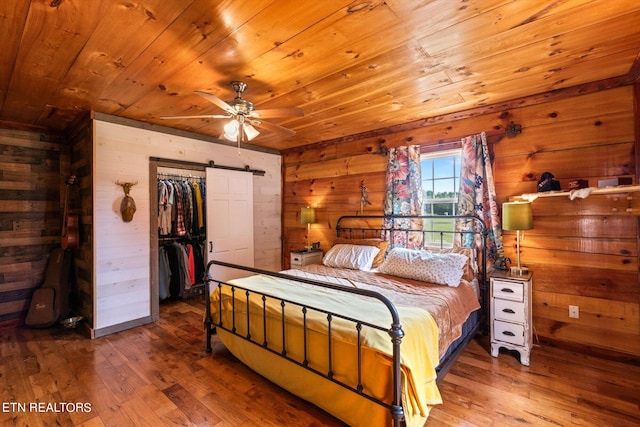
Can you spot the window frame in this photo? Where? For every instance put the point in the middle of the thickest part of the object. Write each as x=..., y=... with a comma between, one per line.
x=433, y=225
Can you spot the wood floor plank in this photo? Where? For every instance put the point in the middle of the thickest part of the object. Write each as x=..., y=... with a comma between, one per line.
x=197, y=413
x=156, y=400
x=175, y=417
x=140, y=413
x=93, y=422
x=160, y=374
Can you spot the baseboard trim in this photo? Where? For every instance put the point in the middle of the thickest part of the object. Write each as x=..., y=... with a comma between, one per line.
x=97, y=333
x=592, y=351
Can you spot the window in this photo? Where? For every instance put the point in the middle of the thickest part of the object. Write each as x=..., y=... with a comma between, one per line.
x=440, y=186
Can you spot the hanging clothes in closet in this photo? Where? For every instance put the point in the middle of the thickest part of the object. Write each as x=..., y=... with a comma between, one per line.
x=181, y=266
x=181, y=229
x=181, y=206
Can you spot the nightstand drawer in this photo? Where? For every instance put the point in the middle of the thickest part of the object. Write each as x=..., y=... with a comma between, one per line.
x=301, y=258
x=508, y=332
x=296, y=259
x=510, y=311
x=513, y=291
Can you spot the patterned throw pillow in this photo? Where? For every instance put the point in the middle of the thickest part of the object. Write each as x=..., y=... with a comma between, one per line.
x=442, y=269
x=355, y=257
x=470, y=269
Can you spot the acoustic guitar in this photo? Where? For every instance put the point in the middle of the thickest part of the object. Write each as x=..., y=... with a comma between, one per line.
x=69, y=238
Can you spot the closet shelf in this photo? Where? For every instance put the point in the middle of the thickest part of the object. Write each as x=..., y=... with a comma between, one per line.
x=581, y=193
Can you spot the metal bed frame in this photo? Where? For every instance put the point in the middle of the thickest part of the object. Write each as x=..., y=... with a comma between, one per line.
x=394, y=330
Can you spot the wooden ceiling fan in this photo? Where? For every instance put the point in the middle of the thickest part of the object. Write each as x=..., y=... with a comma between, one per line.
x=243, y=116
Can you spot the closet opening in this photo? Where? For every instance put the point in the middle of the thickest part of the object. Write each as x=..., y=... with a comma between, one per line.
x=226, y=233
x=178, y=232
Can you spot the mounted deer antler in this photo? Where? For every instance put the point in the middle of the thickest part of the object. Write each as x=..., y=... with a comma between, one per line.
x=128, y=205
x=126, y=186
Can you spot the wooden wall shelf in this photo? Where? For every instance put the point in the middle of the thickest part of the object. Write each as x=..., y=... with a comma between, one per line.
x=594, y=190
x=584, y=193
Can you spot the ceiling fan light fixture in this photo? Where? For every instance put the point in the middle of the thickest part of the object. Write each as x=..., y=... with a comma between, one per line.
x=243, y=125
x=250, y=131
x=231, y=130
x=231, y=127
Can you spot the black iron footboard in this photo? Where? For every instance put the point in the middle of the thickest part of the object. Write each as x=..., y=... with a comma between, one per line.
x=394, y=330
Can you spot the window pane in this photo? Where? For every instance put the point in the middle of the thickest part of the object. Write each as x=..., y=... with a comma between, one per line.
x=437, y=226
x=444, y=167
x=443, y=209
x=445, y=188
x=427, y=168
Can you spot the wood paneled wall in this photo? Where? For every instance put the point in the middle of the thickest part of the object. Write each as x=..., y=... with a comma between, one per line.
x=581, y=251
x=33, y=171
x=82, y=295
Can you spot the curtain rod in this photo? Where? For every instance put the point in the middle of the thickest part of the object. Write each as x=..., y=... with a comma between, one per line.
x=493, y=137
x=211, y=164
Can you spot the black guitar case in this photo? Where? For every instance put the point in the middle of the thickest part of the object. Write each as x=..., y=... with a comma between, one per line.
x=50, y=302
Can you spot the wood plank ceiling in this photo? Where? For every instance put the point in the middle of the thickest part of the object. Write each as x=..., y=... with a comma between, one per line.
x=352, y=66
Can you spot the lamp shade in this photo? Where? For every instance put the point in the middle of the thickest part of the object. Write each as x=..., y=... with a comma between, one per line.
x=517, y=216
x=308, y=215
x=231, y=130
x=250, y=131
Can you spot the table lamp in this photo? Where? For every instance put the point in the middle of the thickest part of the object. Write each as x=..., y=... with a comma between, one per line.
x=517, y=216
x=308, y=216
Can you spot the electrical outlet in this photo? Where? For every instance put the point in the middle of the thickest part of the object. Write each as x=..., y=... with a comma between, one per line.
x=574, y=312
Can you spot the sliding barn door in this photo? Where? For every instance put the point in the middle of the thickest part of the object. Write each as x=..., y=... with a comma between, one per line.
x=229, y=201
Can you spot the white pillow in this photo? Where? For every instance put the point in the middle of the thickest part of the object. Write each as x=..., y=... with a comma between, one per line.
x=442, y=269
x=355, y=257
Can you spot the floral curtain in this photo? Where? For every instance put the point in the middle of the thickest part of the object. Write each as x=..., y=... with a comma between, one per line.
x=478, y=196
x=403, y=195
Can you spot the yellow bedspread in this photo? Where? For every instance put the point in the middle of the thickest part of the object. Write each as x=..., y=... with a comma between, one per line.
x=450, y=307
x=419, y=350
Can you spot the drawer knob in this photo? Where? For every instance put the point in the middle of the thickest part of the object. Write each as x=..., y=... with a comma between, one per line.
x=507, y=290
x=508, y=310
x=508, y=333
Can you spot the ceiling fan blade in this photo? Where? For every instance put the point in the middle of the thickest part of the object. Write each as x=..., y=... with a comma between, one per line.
x=278, y=112
x=205, y=116
x=219, y=102
x=272, y=127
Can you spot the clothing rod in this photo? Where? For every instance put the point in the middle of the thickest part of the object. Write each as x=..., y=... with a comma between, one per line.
x=211, y=164
x=177, y=175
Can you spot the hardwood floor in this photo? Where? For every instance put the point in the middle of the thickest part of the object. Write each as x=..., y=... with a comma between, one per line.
x=159, y=374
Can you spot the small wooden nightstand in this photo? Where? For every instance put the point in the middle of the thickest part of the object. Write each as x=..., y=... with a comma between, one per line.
x=304, y=257
x=511, y=315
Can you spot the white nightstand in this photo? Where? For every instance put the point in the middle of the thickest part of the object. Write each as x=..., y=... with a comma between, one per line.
x=511, y=318
x=301, y=258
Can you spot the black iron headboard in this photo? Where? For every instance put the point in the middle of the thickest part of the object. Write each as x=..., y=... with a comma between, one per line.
x=387, y=226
